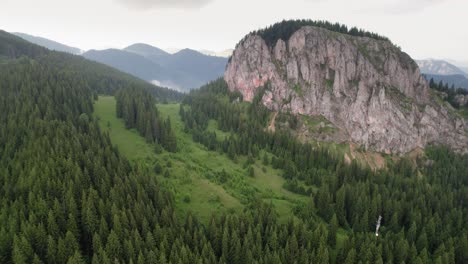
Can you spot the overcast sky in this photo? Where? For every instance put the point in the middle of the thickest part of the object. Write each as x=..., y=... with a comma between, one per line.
x=423, y=28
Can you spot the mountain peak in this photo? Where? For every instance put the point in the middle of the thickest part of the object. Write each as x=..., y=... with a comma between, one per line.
x=371, y=92
x=438, y=67
x=146, y=50
x=188, y=51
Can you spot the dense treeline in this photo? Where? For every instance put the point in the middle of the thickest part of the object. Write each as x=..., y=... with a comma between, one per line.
x=451, y=92
x=249, y=122
x=14, y=47
x=138, y=109
x=105, y=80
x=424, y=210
x=68, y=196
x=284, y=30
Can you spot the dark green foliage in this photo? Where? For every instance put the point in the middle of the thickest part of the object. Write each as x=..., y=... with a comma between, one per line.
x=284, y=30
x=13, y=47
x=251, y=172
x=67, y=195
x=450, y=92
x=138, y=109
x=63, y=181
x=421, y=214
x=102, y=79
x=295, y=187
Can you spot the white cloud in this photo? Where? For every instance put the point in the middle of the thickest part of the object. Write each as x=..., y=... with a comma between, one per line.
x=149, y=4
x=400, y=6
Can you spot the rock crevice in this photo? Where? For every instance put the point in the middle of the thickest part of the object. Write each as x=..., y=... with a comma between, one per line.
x=367, y=88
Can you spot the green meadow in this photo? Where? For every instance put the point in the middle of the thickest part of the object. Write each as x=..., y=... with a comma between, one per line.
x=202, y=181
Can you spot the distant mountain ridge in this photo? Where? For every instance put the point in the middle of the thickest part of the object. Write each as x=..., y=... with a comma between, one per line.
x=184, y=70
x=47, y=43
x=127, y=62
x=224, y=53
x=146, y=50
x=439, y=67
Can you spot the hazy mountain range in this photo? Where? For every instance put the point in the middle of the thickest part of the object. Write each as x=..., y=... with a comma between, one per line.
x=183, y=70
x=438, y=67
x=224, y=53
x=50, y=44
x=441, y=70
x=187, y=69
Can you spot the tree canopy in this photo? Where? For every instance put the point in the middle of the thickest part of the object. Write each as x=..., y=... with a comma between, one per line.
x=284, y=30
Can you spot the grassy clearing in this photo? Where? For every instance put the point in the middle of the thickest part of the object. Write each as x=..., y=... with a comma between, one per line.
x=192, y=173
x=268, y=184
x=192, y=191
x=129, y=142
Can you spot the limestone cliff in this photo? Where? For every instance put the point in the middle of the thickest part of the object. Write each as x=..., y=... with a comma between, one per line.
x=368, y=88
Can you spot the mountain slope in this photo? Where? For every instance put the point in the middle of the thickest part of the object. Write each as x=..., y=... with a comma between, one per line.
x=184, y=70
x=53, y=151
x=464, y=69
x=128, y=62
x=12, y=47
x=457, y=80
x=366, y=87
x=438, y=67
x=232, y=192
x=146, y=50
x=224, y=53
x=47, y=43
x=197, y=66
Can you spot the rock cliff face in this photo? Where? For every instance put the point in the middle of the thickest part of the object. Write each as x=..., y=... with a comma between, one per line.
x=368, y=88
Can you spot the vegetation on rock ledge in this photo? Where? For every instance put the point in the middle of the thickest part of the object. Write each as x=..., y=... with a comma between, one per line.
x=284, y=30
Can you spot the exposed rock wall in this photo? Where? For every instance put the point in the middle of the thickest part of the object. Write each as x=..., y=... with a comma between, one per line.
x=367, y=88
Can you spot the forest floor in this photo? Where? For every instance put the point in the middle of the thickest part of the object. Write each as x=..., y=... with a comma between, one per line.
x=191, y=171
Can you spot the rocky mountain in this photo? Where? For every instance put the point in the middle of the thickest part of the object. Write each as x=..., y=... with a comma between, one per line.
x=439, y=67
x=361, y=83
x=47, y=43
x=457, y=80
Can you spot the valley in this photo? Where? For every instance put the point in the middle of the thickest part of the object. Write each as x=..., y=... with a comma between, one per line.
x=190, y=171
x=322, y=143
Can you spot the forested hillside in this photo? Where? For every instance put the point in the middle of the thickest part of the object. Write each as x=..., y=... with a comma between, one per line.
x=69, y=195
x=50, y=44
x=423, y=211
x=105, y=80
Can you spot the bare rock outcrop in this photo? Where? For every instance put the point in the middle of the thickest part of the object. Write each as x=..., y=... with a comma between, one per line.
x=462, y=100
x=367, y=88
